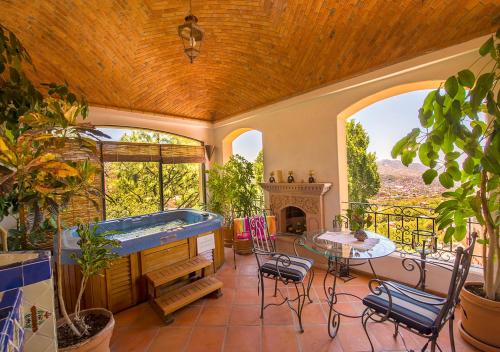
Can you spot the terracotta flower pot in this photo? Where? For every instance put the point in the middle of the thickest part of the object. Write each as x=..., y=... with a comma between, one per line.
x=243, y=247
x=480, y=320
x=98, y=342
x=227, y=232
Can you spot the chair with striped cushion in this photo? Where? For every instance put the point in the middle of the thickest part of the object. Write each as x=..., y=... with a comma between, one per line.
x=417, y=311
x=280, y=267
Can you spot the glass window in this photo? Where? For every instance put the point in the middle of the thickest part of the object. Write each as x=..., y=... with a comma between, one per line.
x=181, y=185
x=132, y=188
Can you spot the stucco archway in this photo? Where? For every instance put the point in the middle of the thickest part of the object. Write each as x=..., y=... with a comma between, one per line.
x=359, y=105
x=227, y=141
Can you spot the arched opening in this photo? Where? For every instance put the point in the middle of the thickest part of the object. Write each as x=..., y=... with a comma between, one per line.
x=227, y=142
x=138, y=178
x=358, y=106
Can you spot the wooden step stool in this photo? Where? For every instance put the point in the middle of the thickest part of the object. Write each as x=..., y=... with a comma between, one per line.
x=175, y=299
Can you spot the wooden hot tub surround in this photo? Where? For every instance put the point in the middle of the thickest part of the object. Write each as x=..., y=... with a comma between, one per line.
x=123, y=285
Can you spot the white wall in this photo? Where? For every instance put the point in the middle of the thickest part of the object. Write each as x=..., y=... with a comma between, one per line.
x=200, y=130
x=307, y=132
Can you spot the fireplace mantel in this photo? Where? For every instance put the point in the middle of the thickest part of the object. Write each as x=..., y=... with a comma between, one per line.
x=306, y=189
x=306, y=196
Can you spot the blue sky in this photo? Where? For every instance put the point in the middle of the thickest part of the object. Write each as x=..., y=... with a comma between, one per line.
x=389, y=120
x=385, y=121
x=248, y=145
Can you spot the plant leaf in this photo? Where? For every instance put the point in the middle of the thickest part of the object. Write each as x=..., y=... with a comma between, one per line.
x=466, y=78
x=446, y=180
x=429, y=175
x=486, y=47
x=451, y=86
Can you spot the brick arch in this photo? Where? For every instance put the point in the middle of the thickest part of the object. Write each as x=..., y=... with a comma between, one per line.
x=127, y=54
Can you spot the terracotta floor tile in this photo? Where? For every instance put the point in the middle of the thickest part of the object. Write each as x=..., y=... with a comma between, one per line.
x=245, y=315
x=279, y=339
x=128, y=317
x=232, y=322
x=383, y=338
x=247, y=281
x=352, y=336
x=186, y=316
x=225, y=300
x=245, y=259
x=135, y=340
x=227, y=270
x=315, y=339
x=148, y=318
x=228, y=281
x=206, y=339
x=171, y=339
x=278, y=315
x=313, y=314
x=246, y=296
x=214, y=316
x=248, y=269
x=243, y=339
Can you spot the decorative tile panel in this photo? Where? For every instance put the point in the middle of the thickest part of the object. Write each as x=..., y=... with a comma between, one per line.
x=11, y=330
x=36, y=326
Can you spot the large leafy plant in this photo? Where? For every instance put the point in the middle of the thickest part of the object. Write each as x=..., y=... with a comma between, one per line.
x=47, y=157
x=459, y=142
x=232, y=188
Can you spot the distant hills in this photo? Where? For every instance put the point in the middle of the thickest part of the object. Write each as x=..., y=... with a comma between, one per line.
x=401, y=183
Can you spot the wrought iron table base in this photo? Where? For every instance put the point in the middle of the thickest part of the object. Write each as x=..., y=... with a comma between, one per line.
x=334, y=269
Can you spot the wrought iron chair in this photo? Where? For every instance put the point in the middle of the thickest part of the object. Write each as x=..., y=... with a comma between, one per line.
x=417, y=311
x=280, y=267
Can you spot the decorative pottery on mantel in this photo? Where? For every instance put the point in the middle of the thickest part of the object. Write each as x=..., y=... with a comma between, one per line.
x=311, y=177
x=290, y=177
x=271, y=178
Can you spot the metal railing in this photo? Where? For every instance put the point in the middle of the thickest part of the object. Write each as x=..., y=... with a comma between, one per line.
x=400, y=222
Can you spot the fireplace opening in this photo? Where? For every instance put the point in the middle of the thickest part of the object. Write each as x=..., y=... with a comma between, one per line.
x=294, y=220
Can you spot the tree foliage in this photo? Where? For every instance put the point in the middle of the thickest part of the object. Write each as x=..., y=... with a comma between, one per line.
x=459, y=142
x=47, y=157
x=232, y=188
x=133, y=188
x=363, y=177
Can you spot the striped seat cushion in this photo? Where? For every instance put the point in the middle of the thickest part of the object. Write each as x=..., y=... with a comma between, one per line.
x=405, y=309
x=295, y=269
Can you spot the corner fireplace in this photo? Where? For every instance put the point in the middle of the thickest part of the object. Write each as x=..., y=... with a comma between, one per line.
x=294, y=220
x=297, y=206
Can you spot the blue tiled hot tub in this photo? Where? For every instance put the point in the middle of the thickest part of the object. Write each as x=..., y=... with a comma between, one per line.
x=138, y=233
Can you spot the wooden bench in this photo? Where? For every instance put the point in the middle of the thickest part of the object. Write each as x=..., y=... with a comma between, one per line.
x=181, y=296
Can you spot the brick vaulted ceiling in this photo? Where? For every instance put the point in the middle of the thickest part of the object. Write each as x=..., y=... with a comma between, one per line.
x=127, y=54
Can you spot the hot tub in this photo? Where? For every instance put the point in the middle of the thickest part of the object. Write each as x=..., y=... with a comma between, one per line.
x=139, y=233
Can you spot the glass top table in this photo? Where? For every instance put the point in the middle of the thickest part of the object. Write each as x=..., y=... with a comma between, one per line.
x=343, y=245
x=342, y=251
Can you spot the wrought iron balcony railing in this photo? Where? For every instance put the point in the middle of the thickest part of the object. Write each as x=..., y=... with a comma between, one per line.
x=401, y=222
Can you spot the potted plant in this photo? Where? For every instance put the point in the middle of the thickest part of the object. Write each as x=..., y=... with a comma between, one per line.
x=358, y=221
x=95, y=326
x=47, y=157
x=337, y=223
x=219, y=201
x=461, y=121
x=233, y=193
